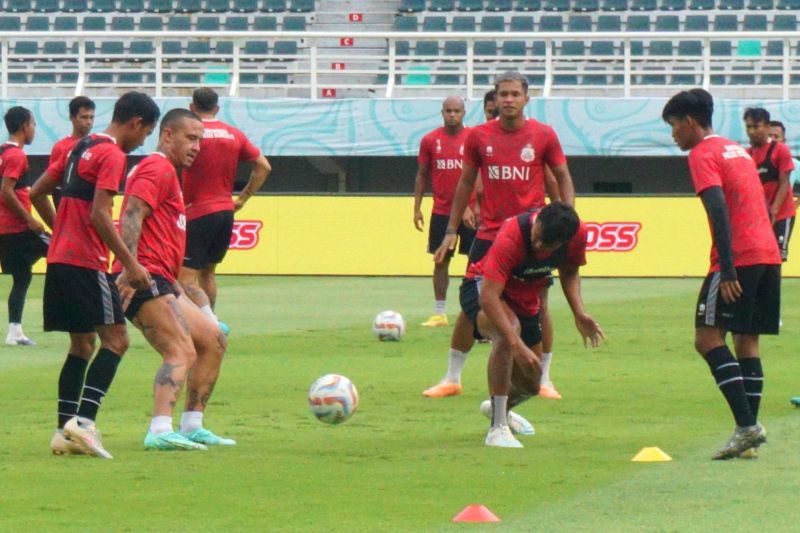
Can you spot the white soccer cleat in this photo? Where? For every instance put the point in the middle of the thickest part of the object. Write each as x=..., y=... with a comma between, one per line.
x=61, y=445
x=518, y=424
x=501, y=437
x=13, y=339
x=87, y=437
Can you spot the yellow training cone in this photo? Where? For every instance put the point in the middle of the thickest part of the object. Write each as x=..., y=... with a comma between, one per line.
x=651, y=455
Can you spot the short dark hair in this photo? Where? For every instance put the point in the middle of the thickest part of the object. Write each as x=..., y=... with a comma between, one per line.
x=16, y=118
x=511, y=75
x=559, y=223
x=173, y=116
x=490, y=96
x=135, y=104
x=78, y=103
x=695, y=103
x=205, y=99
x=756, y=114
x=777, y=124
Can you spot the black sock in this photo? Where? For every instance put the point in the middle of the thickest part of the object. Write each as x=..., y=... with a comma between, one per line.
x=70, y=383
x=16, y=298
x=753, y=381
x=728, y=375
x=98, y=380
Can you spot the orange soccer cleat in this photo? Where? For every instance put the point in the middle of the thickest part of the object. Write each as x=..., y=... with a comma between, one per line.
x=549, y=391
x=442, y=390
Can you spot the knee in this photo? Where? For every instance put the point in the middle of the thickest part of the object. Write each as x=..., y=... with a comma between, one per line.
x=83, y=348
x=118, y=343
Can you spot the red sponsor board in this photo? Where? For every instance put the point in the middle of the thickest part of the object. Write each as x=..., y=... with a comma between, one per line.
x=328, y=93
x=346, y=41
x=355, y=17
x=612, y=236
x=245, y=234
x=337, y=66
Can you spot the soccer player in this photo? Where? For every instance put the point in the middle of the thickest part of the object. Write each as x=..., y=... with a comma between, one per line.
x=22, y=237
x=774, y=163
x=81, y=114
x=153, y=227
x=79, y=295
x=490, y=111
x=511, y=154
x=741, y=293
x=207, y=188
x=500, y=295
x=777, y=132
x=439, y=159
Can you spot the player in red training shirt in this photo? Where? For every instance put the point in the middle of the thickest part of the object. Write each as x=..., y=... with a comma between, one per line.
x=439, y=159
x=153, y=226
x=500, y=295
x=741, y=292
x=207, y=189
x=79, y=295
x=22, y=237
x=511, y=154
x=774, y=163
x=81, y=114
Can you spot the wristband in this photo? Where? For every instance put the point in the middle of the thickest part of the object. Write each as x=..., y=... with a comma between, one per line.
x=450, y=231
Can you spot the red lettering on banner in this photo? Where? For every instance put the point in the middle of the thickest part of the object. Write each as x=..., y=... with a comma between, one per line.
x=328, y=93
x=612, y=236
x=355, y=17
x=245, y=234
x=337, y=66
x=346, y=41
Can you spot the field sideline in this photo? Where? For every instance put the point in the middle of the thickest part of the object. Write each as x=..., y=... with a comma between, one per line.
x=404, y=463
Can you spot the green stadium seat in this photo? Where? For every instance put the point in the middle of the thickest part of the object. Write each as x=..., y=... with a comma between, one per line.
x=265, y=23
x=75, y=6
x=493, y=23
x=774, y=48
x=402, y=48
x=405, y=23
x=696, y=23
x=140, y=48
x=602, y=48
x=643, y=5
x=69, y=23
x=555, y=5
x=94, y=23
x=239, y=6
x=470, y=5
x=151, y=24
x=481, y=79
x=435, y=23
x=26, y=48
x=614, y=5
x=294, y=23
x=784, y=23
x=760, y=5
x=198, y=48
x=186, y=78
x=771, y=79
x=158, y=6
x=10, y=23
x=742, y=79
x=528, y=5
x=585, y=6
x=411, y=6
x=45, y=6
x=188, y=6
x=249, y=78
x=513, y=48
x=54, y=48
x=455, y=48
x=637, y=48
x=721, y=48
x=112, y=48
x=638, y=23
x=731, y=5
x=37, y=23
x=788, y=5
x=100, y=78
x=672, y=5
x=18, y=78
x=179, y=23
x=224, y=48
x=447, y=79
x=441, y=5
x=538, y=48
x=726, y=23
x=131, y=6
x=43, y=77
x=573, y=48
x=103, y=6
x=668, y=23
x=521, y=23
x=485, y=48
x=688, y=79
x=254, y=48
x=274, y=78
x=551, y=23
x=463, y=23
x=18, y=6
x=286, y=48
x=273, y=6
x=566, y=79
x=609, y=23
x=172, y=48
x=754, y=23
x=701, y=5
x=499, y=5
x=235, y=23
x=132, y=79
x=426, y=48
x=207, y=24
x=121, y=23
x=661, y=48
x=579, y=23
x=653, y=79
x=302, y=6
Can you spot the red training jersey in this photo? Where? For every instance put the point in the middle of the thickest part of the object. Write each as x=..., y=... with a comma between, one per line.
x=75, y=241
x=61, y=148
x=508, y=252
x=442, y=155
x=720, y=162
x=208, y=183
x=163, y=239
x=14, y=166
x=780, y=163
x=511, y=165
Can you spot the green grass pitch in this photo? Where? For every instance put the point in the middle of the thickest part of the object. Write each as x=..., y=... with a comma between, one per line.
x=405, y=463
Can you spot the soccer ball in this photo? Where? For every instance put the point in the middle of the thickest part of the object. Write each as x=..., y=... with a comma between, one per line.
x=389, y=326
x=333, y=398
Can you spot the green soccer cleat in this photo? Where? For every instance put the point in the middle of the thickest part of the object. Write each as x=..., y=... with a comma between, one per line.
x=207, y=437
x=170, y=441
x=742, y=440
x=795, y=401
x=226, y=330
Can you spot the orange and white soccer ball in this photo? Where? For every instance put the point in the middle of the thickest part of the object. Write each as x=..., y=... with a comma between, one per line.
x=333, y=398
x=389, y=326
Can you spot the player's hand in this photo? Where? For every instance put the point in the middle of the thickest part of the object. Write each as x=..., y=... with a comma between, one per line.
x=448, y=243
x=590, y=330
x=238, y=204
x=419, y=220
x=731, y=291
x=526, y=358
x=470, y=219
x=139, y=278
x=36, y=226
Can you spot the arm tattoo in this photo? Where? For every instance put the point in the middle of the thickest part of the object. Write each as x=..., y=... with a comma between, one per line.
x=132, y=226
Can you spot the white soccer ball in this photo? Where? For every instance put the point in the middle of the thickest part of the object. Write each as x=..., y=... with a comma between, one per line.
x=333, y=398
x=389, y=326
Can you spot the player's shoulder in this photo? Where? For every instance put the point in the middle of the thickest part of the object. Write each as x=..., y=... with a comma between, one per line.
x=782, y=149
x=531, y=124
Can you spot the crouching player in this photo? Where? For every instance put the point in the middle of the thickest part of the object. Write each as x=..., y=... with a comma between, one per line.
x=153, y=226
x=500, y=295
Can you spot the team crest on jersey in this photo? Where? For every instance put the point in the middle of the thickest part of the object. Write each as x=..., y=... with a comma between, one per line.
x=461, y=150
x=527, y=153
x=438, y=146
x=489, y=151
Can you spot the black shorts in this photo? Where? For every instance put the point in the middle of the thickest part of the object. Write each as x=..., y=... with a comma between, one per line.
x=756, y=312
x=161, y=287
x=19, y=251
x=208, y=239
x=783, y=232
x=469, y=297
x=78, y=299
x=479, y=248
x=436, y=233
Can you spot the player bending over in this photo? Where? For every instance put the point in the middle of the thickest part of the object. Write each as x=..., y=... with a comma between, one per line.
x=501, y=296
x=153, y=226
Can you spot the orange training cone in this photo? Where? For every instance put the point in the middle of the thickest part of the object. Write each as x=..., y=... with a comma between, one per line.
x=475, y=513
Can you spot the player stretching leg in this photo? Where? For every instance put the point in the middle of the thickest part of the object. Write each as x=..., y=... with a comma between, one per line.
x=741, y=293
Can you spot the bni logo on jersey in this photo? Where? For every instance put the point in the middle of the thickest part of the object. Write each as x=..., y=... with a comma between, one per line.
x=245, y=235
x=509, y=172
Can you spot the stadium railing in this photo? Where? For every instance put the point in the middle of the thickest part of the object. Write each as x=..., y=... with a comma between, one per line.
x=400, y=64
